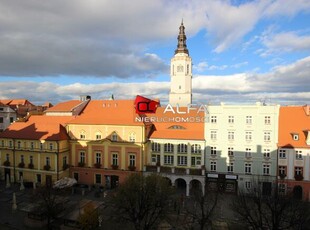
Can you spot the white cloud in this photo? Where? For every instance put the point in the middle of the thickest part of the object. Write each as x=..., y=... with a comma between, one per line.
x=284, y=84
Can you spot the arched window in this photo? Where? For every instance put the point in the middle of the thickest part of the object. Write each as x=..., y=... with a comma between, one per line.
x=182, y=148
x=168, y=148
x=196, y=148
x=155, y=147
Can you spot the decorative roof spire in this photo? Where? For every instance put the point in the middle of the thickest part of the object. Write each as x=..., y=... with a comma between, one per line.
x=181, y=48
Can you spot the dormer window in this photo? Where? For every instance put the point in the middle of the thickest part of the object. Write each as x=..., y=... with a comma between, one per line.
x=132, y=137
x=114, y=136
x=82, y=135
x=295, y=137
x=176, y=127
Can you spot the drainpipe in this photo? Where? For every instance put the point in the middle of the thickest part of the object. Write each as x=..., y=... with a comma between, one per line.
x=14, y=161
x=57, y=155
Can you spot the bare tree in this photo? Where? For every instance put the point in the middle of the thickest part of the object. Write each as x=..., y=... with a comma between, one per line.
x=50, y=204
x=274, y=211
x=142, y=200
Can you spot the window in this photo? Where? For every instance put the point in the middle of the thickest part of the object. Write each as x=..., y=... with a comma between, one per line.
x=11, y=119
x=213, y=119
x=47, y=161
x=132, y=137
x=267, y=120
x=114, y=159
x=213, y=166
x=182, y=160
x=182, y=148
x=31, y=159
x=213, y=151
x=248, y=120
x=282, y=189
x=295, y=137
x=282, y=153
x=155, y=147
x=248, y=153
x=168, y=160
x=155, y=158
x=266, y=153
x=82, y=157
x=1, y=119
x=196, y=148
x=196, y=161
x=31, y=145
x=213, y=135
x=230, y=151
x=231, y=119
x=248, y=184
x=168, y=148
x=266, y=169
x=248, y=168
x=82, y=136
x=114, y=136
x=98, y=158
x=132, y=160
x=11, y=144
x=298, y=171
x=2, y=143
x=64, y=161
x=98, y=178
x=282, y=171
x=231, y=136
x=298, y=155
x=18, y=144
x=41, y=146
x=266, y=136
x=248, y=136
x=51, y=146
x=22, y=159
x=98, y=136
x=7, y=157
x=230, y=167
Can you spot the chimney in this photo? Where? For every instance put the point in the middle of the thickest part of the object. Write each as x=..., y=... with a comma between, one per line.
x=307, y=110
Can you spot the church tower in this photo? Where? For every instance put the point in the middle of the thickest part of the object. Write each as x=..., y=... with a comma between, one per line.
x=181, y=73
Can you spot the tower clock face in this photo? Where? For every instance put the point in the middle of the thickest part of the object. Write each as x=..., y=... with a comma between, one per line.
x=180, y=68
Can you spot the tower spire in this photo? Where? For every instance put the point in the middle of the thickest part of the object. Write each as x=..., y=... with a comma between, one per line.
x=181, y=48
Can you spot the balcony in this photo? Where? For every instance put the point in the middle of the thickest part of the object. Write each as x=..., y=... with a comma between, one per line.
x=175, y=170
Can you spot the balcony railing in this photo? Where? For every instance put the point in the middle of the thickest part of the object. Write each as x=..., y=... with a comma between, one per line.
x=175, y=170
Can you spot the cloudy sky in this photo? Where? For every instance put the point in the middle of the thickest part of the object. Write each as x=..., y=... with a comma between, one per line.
x=242, y=51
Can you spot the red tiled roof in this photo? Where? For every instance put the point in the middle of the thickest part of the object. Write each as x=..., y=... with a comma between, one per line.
x=6, y=101
x=178, y=130
x=115, y=112
x=293, y=120
x=39, y=128
x=66, y=106
x=15, y=102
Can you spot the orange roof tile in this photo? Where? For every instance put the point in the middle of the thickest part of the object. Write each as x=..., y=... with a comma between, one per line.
x=293, y=120
x=39, y=127
x=6, y=101
x=116, y=112
x=66, y=106
x=172, y=129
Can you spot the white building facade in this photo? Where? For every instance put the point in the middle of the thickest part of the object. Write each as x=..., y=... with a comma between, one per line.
x=7, y=116
x=241, y=146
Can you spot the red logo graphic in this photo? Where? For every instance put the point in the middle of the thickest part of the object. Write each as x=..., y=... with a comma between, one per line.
x=145, y=105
